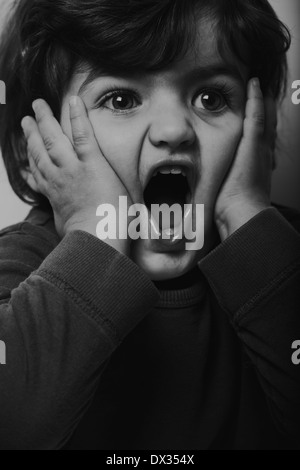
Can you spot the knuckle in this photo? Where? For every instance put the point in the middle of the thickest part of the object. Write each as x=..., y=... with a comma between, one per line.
x=33, y=151
x=35, y=155
x=256, y=122
x=81, y=139
x=259, y=96
x=75, y=114
x=48, y=142
x=258, y=118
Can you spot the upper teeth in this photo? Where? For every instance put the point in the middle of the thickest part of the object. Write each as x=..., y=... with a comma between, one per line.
x=175, y=170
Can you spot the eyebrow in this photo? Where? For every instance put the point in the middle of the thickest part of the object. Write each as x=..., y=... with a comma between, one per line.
x=210, y=71
x=200, y=72
x=93, y=75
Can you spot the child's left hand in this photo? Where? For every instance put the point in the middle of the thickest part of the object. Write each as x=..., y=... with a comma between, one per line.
x=246, y=190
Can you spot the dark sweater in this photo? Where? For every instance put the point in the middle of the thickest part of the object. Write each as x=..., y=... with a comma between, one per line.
x=98, y=357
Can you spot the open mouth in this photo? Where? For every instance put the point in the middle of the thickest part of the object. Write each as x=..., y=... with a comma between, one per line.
x=170, y=185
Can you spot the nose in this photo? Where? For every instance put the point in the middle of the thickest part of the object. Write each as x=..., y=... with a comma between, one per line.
x=171, y=127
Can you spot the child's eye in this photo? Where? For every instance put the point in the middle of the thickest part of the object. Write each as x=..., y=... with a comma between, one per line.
x=210, y=101
x=119, y=101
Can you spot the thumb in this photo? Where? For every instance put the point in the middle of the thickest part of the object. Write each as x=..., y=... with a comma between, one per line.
x=254, y=126
x=84, y=141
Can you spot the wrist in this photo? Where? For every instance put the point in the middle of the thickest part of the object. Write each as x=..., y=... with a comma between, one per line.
x=122, y=246
x=237, y=215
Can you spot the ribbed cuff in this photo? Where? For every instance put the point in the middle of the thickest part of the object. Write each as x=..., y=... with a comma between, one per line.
x=107, y=285
x=254, y=260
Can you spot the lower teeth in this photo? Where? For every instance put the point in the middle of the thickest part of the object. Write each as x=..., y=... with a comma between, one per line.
x=169, y=233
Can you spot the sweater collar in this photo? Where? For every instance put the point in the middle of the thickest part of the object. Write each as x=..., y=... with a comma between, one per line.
x=185, y=291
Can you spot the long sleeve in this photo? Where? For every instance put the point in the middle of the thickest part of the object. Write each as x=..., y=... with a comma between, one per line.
x=61, y=317
x=255, y=275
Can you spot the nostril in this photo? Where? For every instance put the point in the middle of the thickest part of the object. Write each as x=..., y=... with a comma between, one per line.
x=172, y=135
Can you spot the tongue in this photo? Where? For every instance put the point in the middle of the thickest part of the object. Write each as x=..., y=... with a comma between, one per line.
x=169, y=222
x=175, y=219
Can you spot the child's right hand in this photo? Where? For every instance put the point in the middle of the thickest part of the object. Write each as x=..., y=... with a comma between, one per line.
x=76, y=178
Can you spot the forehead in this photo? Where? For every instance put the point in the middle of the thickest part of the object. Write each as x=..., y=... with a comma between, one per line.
x=202, y=59
x=204, y=52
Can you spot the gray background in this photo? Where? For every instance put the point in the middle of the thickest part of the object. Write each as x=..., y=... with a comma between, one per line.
x=286, y=179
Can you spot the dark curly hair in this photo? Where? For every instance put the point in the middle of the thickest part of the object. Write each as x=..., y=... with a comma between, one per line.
x=45, y=41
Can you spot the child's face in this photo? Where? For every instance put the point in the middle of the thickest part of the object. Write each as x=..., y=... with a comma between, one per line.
x=190, y=114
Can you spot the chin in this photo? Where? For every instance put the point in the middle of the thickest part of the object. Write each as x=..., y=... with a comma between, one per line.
x=160, y=265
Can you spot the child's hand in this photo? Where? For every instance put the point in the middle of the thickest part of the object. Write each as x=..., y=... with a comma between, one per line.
x=246, y=190
x=75, y=178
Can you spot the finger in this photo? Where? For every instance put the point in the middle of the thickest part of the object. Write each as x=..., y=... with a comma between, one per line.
x=270, y=121
x=35, y=146
x=84, y=141
x=34, y=177
x=55, y=141
x=255, y=111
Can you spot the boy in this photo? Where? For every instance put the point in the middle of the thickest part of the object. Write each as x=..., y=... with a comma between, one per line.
x=127, y=344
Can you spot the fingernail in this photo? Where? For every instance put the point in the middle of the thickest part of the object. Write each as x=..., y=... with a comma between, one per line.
x=35, y=105
x=74, y=101
x=256, y=82
x=24, y=123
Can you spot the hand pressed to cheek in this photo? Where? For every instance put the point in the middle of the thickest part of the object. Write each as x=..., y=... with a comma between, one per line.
x=75, y=179
x=112, y=140
x=56, y=143
x=45, y=176
x=246, y=190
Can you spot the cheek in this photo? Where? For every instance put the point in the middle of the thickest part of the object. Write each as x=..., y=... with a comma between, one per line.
x=121, y=146
x=219, y=145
